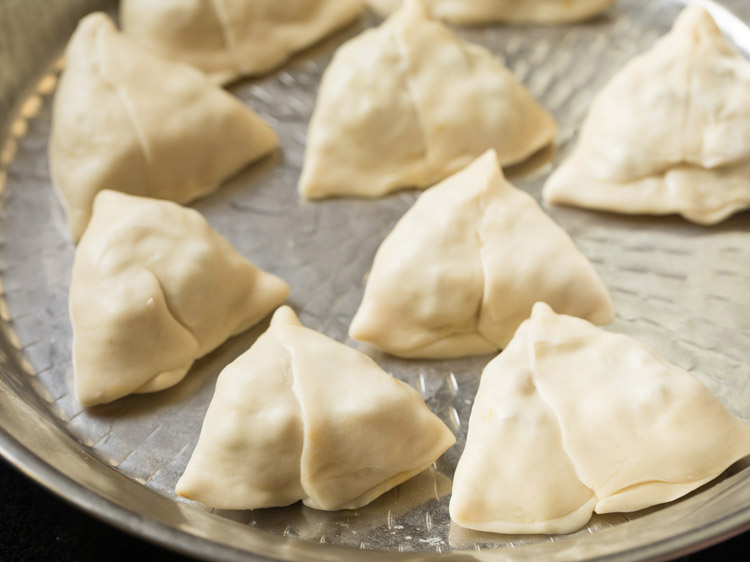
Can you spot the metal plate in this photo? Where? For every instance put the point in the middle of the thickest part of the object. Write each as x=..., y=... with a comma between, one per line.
x=681, y=288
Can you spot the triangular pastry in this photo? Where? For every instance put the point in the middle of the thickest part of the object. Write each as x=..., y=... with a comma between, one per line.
x=462, y=268
x=512, y=11
x=514, y=475
x=231, y=38
x=670, y=133
x=300, y=416
x=125, y=119
x=596, y=423
x=154, y=288
x=409, y=103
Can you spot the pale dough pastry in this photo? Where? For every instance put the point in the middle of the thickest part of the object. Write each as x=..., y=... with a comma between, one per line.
x=231, y=38
x=154, y=288
x=462, y=268
x=127, y=120
x=670, y=133
x=514, y=475
x=409, y=103
x=300, y=416
x=596, y=423
x=511, y=11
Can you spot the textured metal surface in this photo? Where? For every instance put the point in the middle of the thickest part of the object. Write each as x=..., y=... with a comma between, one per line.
x=681, y=288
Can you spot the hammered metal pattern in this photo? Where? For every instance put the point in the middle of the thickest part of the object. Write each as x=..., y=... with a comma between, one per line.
x=681, y=288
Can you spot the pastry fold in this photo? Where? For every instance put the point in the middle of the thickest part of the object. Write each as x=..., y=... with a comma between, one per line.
x=570, y=420
x=409, y=103
x=670, y=132
x=124, y=119
x=462, y=268
x=300, y=416
x=227, y=39
x=154, y=288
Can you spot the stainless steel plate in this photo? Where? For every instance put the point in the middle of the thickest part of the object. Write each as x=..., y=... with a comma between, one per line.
x=681, y=288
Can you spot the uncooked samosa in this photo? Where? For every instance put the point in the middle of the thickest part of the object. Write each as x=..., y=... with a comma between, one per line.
x=300, y=416
x=511, y=11
x=463, y=267
x=127, y=120
x=595, y=422
x=409, y=103
x=231, y=38
x=670, y=133
x=154, y=288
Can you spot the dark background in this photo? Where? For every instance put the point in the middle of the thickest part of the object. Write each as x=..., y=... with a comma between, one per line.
x=37, y=525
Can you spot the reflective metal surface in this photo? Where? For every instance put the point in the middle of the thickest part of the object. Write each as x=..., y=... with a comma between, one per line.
x=681, y=288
